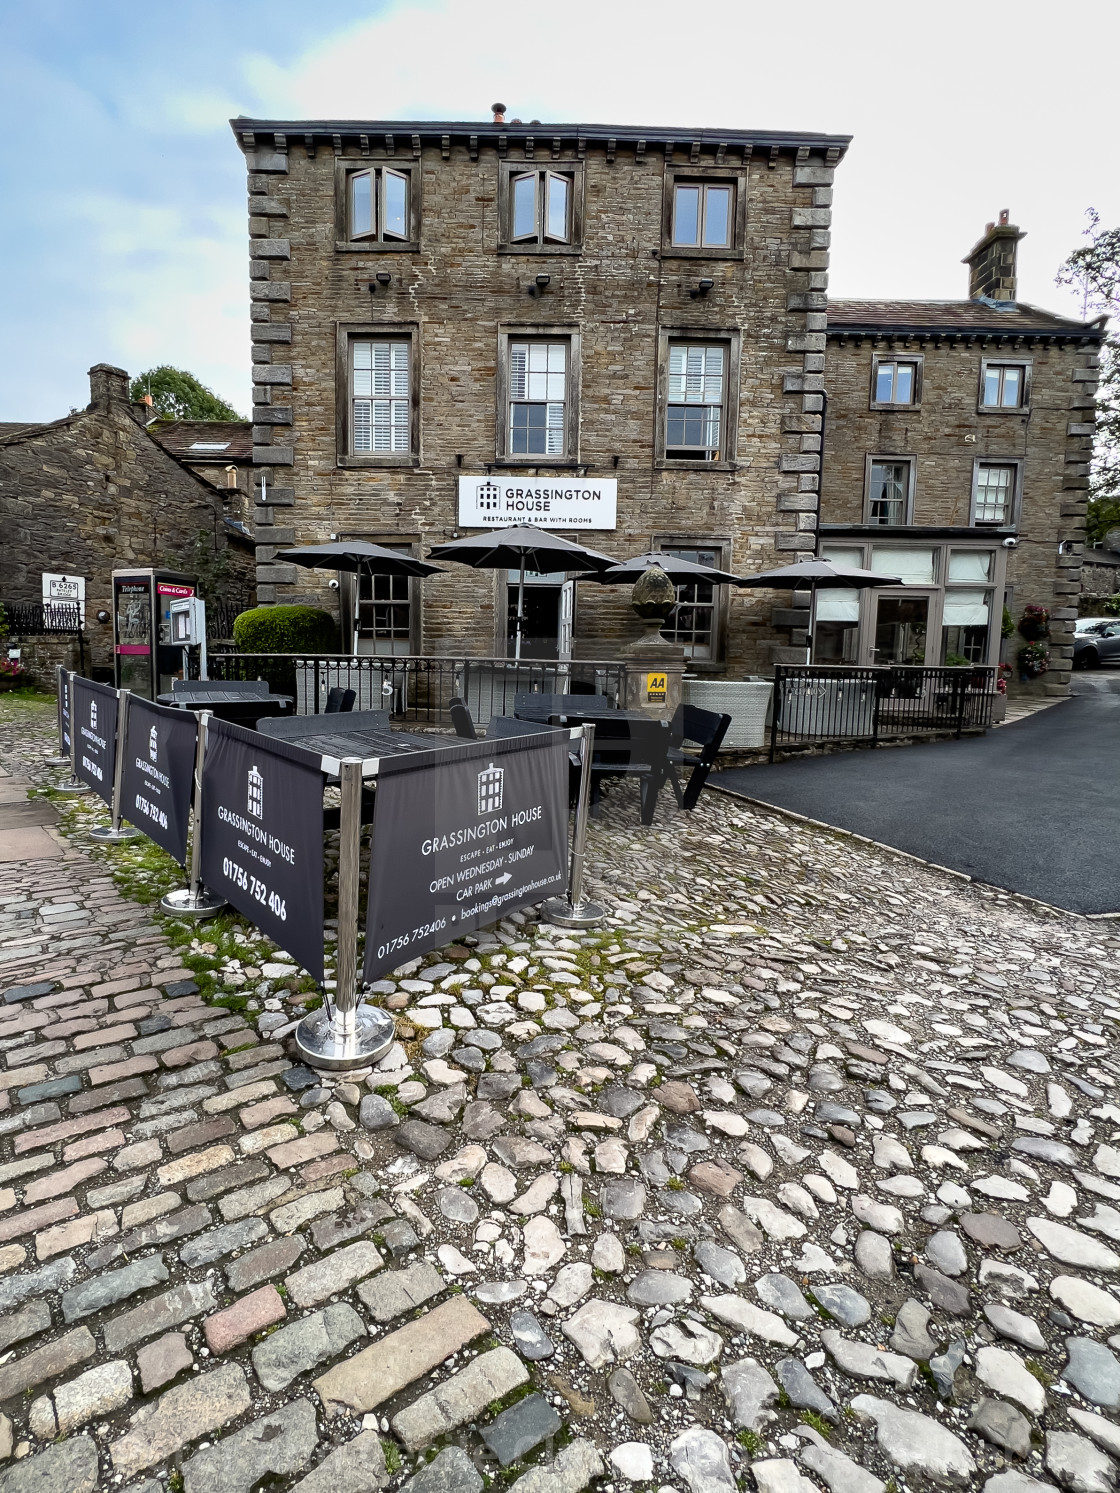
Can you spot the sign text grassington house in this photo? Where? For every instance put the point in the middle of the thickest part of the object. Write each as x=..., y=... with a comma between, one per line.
x=623, y=333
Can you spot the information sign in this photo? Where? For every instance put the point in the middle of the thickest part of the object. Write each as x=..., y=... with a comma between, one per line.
x=262, y=836
x=463, y=841
x=552, y=502
x=657, y=688
x=95, y=735
x=158, y=773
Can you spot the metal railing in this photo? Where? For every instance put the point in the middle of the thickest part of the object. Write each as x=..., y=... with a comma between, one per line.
x=32, y=619
x=818, y=703
x=418, y=688
x=221, y=615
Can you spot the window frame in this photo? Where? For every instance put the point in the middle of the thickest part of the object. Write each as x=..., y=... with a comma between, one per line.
x=537, y=333
x=373, y=243
x=349, y=590
x=721, y=601
x=917, y=362
x=347, y=333
x=731, y=339
x=698, y=176
x=1023, y=407
x=1012, y=519
x=540, y=244
x=871, y=460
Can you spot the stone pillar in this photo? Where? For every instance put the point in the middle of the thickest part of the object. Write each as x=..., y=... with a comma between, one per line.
x=649, y=666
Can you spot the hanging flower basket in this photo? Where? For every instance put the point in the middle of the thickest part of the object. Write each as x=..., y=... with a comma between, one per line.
x=1034, y=624
x=1034, y=661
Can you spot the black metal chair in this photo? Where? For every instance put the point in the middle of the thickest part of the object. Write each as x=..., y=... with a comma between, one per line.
x=529, y=706
x=707, y=730
x=462, y=719
x=339, y=700
x=626, y=748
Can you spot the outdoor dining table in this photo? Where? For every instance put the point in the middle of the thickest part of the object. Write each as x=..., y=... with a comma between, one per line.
x=576, y=715
x=332, y=745
x=243, y=707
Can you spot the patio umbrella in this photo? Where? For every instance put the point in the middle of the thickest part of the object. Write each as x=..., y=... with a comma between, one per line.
x=818, y=575
x=680, y=572
x=521, y=547
x=359, y=556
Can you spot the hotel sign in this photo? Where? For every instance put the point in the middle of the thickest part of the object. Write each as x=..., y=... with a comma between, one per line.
x=551, y=502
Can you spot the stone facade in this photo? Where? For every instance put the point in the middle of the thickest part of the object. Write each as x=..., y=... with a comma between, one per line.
x=945, y=438
x=458, y=286
x=91, y=493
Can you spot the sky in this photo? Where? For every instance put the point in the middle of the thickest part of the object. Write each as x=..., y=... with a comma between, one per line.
x=123, y=234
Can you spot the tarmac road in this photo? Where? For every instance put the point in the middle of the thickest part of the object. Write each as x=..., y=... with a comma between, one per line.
x=1032, y=807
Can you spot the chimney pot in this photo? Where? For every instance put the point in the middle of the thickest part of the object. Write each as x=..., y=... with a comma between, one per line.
x=499, y=111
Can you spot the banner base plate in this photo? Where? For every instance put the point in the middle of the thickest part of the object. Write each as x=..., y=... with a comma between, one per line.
x=321, y=1047
x=56, y=761
x=567, y=914
x=182, y=905
x=72, y=787
x=114, y=836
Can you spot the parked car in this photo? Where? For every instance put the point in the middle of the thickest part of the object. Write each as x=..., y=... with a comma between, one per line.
x=1096, y=640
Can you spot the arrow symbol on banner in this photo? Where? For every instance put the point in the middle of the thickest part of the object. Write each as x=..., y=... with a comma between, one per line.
x=501, y=880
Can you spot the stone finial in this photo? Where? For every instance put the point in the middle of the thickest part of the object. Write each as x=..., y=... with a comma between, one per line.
x=654, y=596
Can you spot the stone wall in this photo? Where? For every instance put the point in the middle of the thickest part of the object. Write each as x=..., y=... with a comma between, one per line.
x=93, y=492
x=457, y=290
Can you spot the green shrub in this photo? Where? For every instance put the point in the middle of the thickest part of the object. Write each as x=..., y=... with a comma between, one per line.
x=286, y=630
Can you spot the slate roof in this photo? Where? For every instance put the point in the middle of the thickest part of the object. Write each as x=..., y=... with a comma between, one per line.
x=179, y=437
x=949, y=318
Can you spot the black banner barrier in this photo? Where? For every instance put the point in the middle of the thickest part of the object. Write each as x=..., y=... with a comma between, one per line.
x=463, y=840
x=64, y=711
x=158, y=773
x=262, y=836
x=95, y=735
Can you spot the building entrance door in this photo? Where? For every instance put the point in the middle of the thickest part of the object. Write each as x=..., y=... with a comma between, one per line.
x=546, y=631
x=901, y=628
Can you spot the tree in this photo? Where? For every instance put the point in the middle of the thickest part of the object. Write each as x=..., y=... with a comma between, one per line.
x=1094, y=270
x=178, y=395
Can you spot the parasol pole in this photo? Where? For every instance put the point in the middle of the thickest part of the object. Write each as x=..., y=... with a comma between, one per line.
x=520, y=608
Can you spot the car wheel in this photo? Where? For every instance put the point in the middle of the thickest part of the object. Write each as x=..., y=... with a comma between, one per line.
x=1088, y=658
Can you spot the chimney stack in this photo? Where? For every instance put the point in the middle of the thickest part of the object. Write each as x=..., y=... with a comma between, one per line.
x=991, y=264
x=107, y=386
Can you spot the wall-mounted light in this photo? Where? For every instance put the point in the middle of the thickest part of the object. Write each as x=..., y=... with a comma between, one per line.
x=103, y=616
x=539, y=285
x=702, y=288
x=383, y=277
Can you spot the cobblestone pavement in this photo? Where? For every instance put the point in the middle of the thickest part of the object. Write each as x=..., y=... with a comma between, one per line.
x=804, y=1169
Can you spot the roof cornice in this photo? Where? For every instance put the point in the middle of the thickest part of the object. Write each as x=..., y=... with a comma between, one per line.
x=902, y=332
x=409, y=135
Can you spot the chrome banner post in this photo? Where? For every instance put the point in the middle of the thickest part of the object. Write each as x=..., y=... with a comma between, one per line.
x=115, y=834
x=346, y=1033
x=195, y=901
x=573, y=911
x=63, y=759
x=74, y=783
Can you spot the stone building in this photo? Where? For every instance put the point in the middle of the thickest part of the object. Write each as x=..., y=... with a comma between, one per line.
x=220, y=451
x=93, y=492
x=957, y=443
x=614, y=331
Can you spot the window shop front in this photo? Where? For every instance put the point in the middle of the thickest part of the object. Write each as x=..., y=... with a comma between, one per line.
x=946, y=611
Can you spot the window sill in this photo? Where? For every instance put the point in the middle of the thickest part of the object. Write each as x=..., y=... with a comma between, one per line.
x=672, y=464
x=551, y=464
x=374, y=246
x=915, y=407
x=992, y=409
x=675, y=251
x=380, y=459
x=537, y=250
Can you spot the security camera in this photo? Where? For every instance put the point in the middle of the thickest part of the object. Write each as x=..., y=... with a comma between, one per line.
x=1011, y=543
x=332, y=585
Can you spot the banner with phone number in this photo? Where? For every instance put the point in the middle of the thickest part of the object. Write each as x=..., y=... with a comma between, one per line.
x=262, y=836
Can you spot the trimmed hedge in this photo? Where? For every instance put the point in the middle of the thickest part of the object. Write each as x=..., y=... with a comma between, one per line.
x=286, y=630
